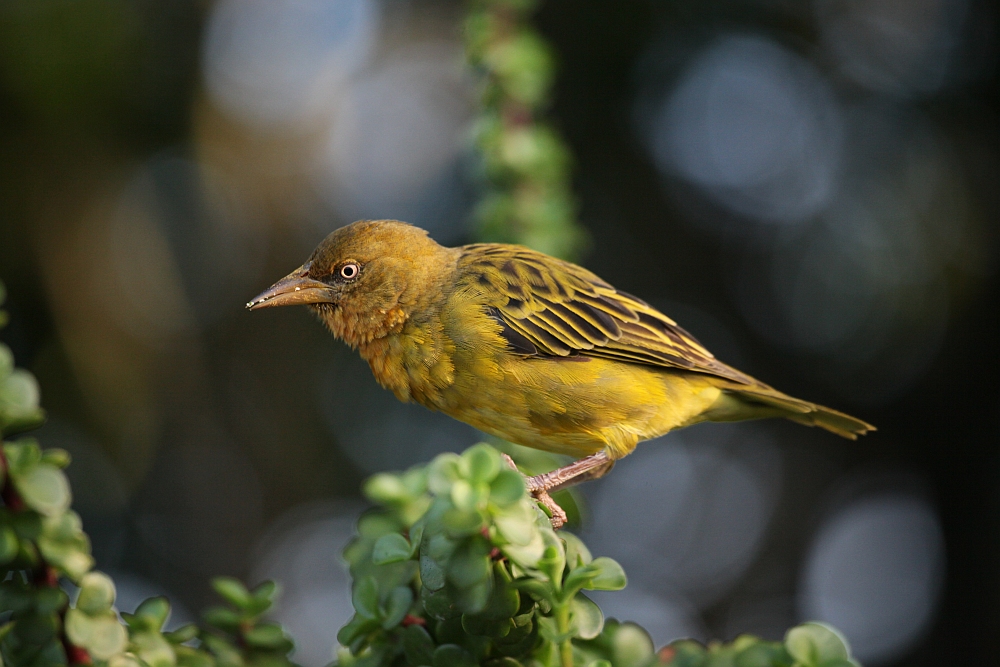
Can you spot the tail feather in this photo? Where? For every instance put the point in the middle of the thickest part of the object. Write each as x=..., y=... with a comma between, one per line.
x=808, y=413
x=759, y=401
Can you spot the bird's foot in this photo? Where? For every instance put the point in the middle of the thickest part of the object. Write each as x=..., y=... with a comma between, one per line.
x=557, y=515
x=540, y=492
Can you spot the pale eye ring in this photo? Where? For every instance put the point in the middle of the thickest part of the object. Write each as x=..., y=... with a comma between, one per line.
x=349, y=271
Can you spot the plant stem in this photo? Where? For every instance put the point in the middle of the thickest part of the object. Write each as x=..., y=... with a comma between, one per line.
x=566, y=645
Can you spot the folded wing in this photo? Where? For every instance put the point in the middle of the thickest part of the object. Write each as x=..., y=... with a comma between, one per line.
x=556, y=309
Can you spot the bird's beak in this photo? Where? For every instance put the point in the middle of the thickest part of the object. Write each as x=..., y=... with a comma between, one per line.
x=293, y=290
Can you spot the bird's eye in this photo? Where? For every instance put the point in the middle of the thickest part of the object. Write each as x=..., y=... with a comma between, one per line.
x=349, y=271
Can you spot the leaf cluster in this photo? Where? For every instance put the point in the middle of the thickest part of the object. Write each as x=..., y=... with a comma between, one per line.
x=458, y=566
x=43, y=548
x=43, y=629
x=806, y=645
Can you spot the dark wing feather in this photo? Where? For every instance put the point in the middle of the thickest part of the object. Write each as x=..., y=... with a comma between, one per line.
x=518, y=342
x=547, y=307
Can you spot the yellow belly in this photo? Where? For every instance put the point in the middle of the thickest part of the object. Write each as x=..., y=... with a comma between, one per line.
x=577, y=407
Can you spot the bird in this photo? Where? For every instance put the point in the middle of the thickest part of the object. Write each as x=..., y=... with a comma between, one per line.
x=526, y=347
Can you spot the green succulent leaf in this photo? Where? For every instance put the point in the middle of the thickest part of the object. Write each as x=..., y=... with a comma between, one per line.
x=483, y=462
x=266, y=591
x=63, y=544
x=43, y=488
x=153, y=649
x=19, y=396
x=631, y=646
x=609, y=575
x=56, y=457
x=266, y=635
x=15, y=597
x=587, y=618
x=9, y=545
x=577, y=553
x=356, y=628
x=452, y=655
x=153, y=612
x=816, y=644
x=224, y=652
x=396, y=606
x=507, y=488
x=470, y=565
x=386, y=488
x=185, y=633
x=219, y=617
x=443, y=472
x=518, y=523
x=761, y=654
x=391, y=548
x=418, y=645
x=127, y=660
x=541, y=590
x=50, y=600
x=553, y=560
x=432, y=574
x=232, y=591
x=101, y=634
x=97, y=593
x=473, y=598
x=461, y=522
x=22, y=455
x=365, y=598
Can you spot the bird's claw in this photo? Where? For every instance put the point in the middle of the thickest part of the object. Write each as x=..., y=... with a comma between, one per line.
x=537, y=489
x=557, y=514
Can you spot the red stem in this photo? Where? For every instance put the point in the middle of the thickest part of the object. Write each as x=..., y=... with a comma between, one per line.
x=11, y=499
x=410, y=619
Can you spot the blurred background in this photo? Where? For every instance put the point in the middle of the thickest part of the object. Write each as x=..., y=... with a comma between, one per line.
x=808, y=187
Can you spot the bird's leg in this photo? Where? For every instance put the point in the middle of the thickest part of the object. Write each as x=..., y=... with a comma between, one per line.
x=586, y=469
x=539, y=486
x=557, y=514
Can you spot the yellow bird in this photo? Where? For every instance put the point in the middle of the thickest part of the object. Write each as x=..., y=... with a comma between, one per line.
x=527, y=347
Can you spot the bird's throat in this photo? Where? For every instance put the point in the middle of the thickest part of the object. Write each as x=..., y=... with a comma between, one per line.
x=360, y=329
x=413, y=360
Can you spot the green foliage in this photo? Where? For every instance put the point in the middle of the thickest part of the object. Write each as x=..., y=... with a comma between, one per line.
x=44, y=630
x=42, y=543
x=524, y=162
x=231, y=636
x=458, y=566
x=19, y=409
x=808, y=645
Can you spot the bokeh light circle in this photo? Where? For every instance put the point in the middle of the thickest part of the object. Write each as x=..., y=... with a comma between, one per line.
x=874, y=571
x=276, y=63
x=756, y=127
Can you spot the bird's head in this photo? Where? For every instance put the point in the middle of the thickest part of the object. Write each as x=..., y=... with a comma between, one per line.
x=363, y=280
